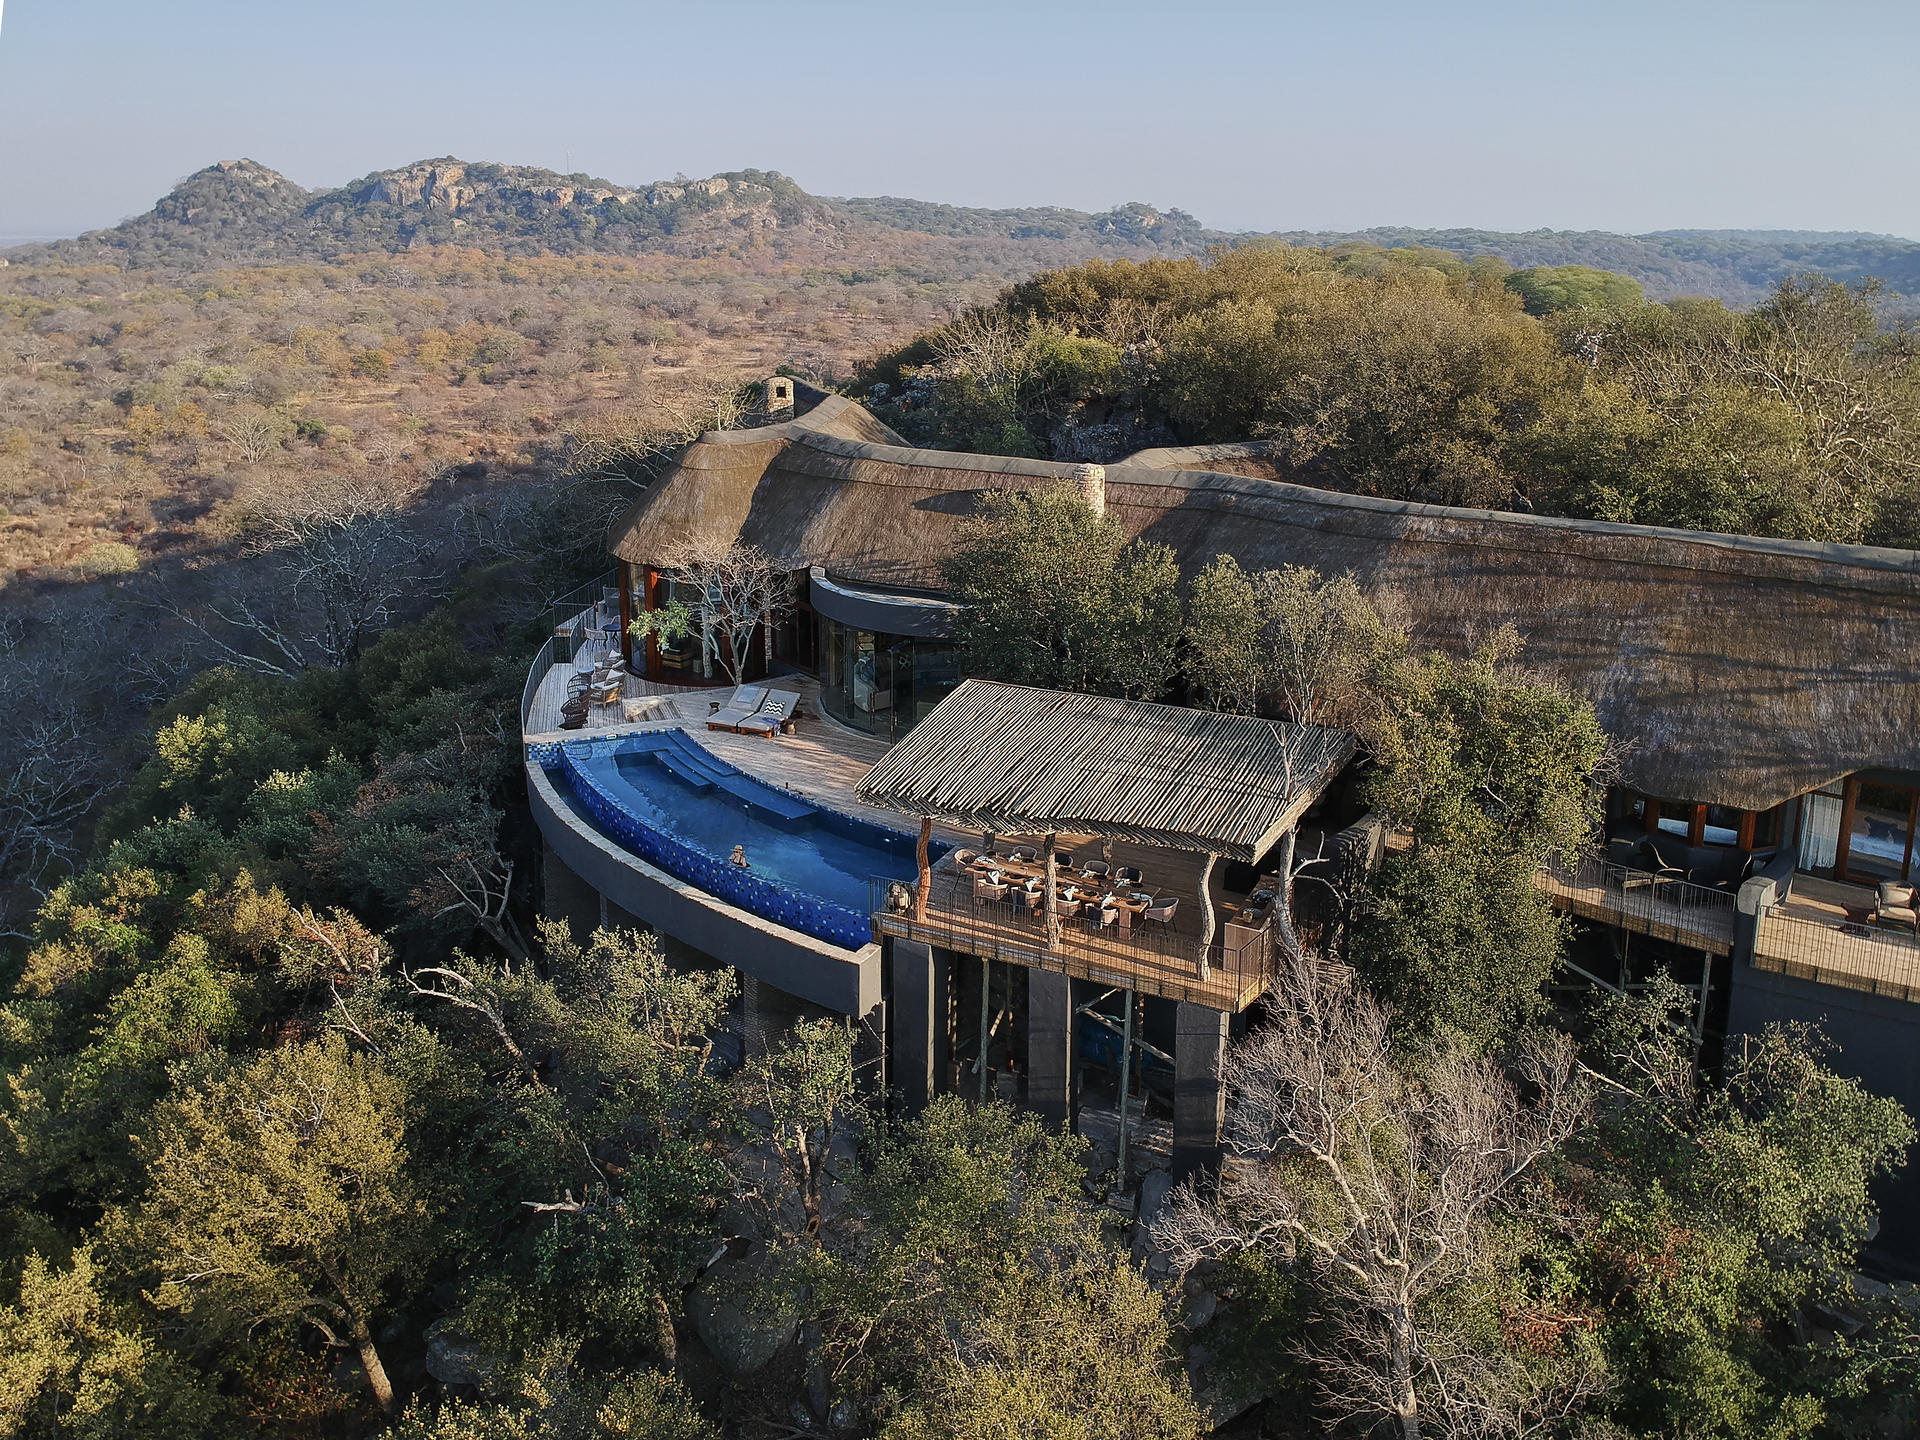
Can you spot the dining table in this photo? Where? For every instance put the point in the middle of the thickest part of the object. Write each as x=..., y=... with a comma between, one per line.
x=1127, y=898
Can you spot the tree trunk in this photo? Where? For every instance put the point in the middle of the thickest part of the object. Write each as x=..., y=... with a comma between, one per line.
x=362, y=1338
x=924, y=885
x=1406, y=1406
x=370, y=1362
x=1052, y=912
x=1283, y=902
x=1205, y=887
x=665, y=1337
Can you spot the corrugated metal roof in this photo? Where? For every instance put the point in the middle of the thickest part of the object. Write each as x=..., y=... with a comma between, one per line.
x=1012, y=758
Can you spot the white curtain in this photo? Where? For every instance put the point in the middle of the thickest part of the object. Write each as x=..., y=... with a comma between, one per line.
x=1819, y=831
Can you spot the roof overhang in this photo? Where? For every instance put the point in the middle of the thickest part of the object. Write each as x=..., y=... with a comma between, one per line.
x=1013, y=759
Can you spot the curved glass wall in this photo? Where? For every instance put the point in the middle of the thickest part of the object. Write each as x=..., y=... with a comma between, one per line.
x=881, y=683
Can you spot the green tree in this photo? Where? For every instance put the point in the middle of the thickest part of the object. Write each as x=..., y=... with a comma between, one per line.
x=1547, y=288
x=1492, y=772
x=1056, y=596
x=972, y=1281
x=610, y=1156
x=75, y=1363
x=1720, y=1213
x=280, y=1194
x=1307, y=645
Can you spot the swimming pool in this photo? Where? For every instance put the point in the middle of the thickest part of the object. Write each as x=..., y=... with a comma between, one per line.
x=670, y=801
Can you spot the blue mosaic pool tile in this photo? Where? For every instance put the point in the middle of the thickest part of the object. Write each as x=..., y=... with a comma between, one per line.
x=795, y=909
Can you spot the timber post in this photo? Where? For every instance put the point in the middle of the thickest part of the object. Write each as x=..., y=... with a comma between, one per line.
x=923, y=887
x=1053, y=875
x=1205, y=886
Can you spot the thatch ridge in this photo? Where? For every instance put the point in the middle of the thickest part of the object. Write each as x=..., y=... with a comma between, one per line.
x=1734, y=670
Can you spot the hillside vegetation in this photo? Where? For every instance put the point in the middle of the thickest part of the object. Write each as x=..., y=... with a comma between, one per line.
x=310, y=1127
x=1411, y=375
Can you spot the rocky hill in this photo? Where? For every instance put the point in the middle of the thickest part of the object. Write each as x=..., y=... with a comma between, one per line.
x=241, y=212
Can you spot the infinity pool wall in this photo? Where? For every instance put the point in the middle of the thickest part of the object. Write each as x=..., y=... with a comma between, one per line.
x=671, y=802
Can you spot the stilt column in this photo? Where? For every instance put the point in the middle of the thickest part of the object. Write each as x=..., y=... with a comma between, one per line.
x=914, y=1017
x=1050, y=1046
x=1199, y=1093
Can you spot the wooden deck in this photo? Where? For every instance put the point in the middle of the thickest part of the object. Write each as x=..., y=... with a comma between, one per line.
x=1150, y=961
x=1823, y=932
x=1691, y=915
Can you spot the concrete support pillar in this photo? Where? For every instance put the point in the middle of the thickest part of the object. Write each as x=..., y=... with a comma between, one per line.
x=915, y=987
x=1050, y=1058
x=1199, y=1094
x=565, y=896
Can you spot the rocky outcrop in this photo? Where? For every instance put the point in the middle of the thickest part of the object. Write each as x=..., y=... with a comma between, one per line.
x=735, y=1320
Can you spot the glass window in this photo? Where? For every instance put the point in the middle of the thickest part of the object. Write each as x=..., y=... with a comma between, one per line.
x=1723, y=826
x=1681, y=824
x=1878, y=843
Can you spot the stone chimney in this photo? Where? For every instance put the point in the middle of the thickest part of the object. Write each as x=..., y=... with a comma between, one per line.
x=1092, y=480
x=779, y=394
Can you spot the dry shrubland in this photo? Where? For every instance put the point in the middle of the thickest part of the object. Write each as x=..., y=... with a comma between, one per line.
x=140, y=414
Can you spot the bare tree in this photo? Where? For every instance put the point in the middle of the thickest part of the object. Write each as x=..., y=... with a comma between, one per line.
x=253, y=431
x=730, y=591
x=342, y=555
x=1378, y=1175
x=48, y=782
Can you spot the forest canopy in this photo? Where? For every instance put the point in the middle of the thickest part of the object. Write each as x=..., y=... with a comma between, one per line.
x=1413, y=375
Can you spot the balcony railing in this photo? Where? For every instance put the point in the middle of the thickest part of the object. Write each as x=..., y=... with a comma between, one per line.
x=1227, y=974
x=1639, y=901
x=573, y=615
x=1849, y=954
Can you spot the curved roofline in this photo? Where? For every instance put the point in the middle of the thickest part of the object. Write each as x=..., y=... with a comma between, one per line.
x=1740, y=670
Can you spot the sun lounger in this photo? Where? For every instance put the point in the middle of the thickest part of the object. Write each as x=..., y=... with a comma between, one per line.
x=744, y=701
x=775, y=715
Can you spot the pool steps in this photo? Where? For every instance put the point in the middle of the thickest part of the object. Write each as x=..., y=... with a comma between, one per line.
x=689, y=762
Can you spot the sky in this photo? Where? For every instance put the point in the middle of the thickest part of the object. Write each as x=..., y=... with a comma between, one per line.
x=1626, y=116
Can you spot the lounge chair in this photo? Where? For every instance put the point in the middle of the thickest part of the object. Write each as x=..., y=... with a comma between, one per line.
x=1898, y=905
x=745, y=700
x=776, y=714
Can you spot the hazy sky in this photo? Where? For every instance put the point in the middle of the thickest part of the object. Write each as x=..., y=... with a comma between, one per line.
x=1621, y=116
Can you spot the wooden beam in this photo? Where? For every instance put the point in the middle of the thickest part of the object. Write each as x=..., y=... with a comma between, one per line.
x=1650, y=816
x=1053, y=914
x=1747, y=819
x=1843, y=847
x=624, y=577
x=1697, y=826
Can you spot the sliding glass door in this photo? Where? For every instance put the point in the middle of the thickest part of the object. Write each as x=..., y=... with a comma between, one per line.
x=1880, y=836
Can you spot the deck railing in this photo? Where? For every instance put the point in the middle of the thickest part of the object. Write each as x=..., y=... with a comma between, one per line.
x=1145, y=957
x=543, y=661
x=1849, y=954
x=1642, y=902
x=569, y=614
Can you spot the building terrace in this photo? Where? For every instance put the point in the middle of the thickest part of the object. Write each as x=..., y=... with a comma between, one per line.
x=1099, y=823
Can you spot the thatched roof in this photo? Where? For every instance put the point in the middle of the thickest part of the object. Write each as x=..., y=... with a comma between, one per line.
x=1732, y=670
x=1015, y=759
